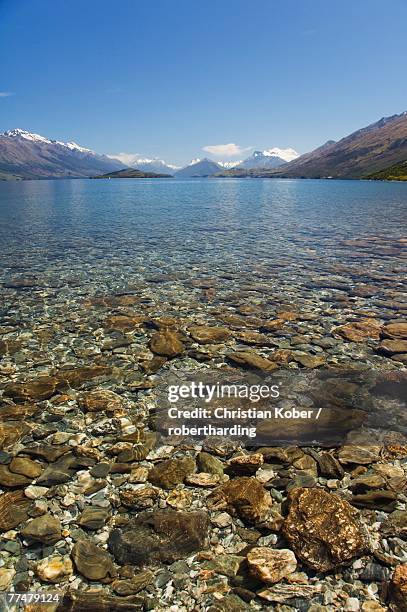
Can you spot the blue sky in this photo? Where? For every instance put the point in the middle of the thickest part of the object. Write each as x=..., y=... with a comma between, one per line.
x=165, y=79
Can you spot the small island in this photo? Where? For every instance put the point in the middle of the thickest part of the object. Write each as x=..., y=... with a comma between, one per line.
x=131, y=173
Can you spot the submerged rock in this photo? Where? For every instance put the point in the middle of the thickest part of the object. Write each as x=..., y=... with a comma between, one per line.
x=133, y=585
x=54, y=569
x=91, y=561
x=398, y=587
x=244, y=496
x=271, y=565
x=208, y=335
x=323, y=529
x=45, y=529
x=100, y=400
x=359, y=331
x=166, y=343
x=14, y=508
x=163, y=536
x=168, y=474
x=251, y=360
x=93, y=518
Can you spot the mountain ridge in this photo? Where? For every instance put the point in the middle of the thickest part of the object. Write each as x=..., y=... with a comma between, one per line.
x=359, y=154
x=26, y=155
x=199, y=169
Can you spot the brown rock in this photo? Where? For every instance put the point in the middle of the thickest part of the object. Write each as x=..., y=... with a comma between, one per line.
x=9, y=347
x=310, y=361
x=93, y=518
x=203, y=479
x=54, y=569
x=45, y=529
x=208, y=335
x=395, y=524
x=10, y=479
x=322, y=529
x=39, y=389
x=123, y=322
x=11, y=432
x=6, y=577
x=271, y=565
x=44, y=387
x=245, y=496
x=209, y=464
x=14, y=508
x=281, y=593
x=362, y=455
x=171, y=472
x=393, y=347
x=100, y=400
x=161, y=536
x=139, y=499
x=252, y=361
x=180, y=499
x=359, y=331
x=91, y=561
x=166, y=343
x=246, y=464
x=398, y=587
x=395, y=330
x=329, y=465
x=47, y=451
x=25, y=467
x=76, y=377
x=134, y=584
x=17, y=412
x=254, y=338
x=377, y=500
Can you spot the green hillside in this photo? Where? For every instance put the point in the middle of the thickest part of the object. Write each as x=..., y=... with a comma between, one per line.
x=397, y=172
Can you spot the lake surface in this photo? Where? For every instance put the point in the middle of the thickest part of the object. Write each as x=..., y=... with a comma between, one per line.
x=204, y=248
x=110, y=291
x=195, y=227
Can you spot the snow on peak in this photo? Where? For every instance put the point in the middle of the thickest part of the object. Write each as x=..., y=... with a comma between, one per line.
x=27, y=135
x=75, y=147
x=285, y=154
x=153, y=160
x=194, y=161
x=18, y=132
x=229, y=164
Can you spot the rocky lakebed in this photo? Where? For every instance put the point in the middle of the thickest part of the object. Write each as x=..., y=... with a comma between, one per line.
x=101, y=510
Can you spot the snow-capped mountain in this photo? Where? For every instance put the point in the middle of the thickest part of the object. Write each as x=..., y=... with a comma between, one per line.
x=26, y=155
x=269, y=158
x=155, y=165
x=18, y=133
x=229, y=164
x=145, y=164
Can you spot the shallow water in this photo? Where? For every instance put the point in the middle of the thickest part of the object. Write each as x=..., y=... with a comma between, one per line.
x=201, y=250
x=197, y=227
x=110, y=291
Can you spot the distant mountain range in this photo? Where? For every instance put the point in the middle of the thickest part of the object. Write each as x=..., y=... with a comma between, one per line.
x=270, y=158
x=375, y=151
x=151, y=165
x=24, y=155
